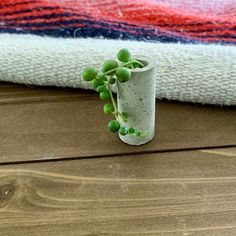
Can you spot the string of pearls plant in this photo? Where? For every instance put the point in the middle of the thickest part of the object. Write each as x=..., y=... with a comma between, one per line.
x=114, y=71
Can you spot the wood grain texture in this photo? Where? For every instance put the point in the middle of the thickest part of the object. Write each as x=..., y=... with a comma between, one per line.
x=179, y=193
x=46, y=123
x=15, y=93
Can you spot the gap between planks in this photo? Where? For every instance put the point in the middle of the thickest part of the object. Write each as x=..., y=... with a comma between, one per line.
x=32, y=128
x=210, y=150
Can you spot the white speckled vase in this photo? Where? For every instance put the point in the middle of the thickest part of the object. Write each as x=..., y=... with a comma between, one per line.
x=137, y=98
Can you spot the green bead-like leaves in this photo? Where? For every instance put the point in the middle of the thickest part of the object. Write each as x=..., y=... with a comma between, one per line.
x=138, y=133
x=97, y=82
x=108, y=109
x=109, y=65
x=89, y=73
x=100, y=88
x=101, y=76
x=114, y=71
x=123, y=74
x=131, y=130
x=104, y=95
x=114, y=126
x=112, y=80
x=124, y=55
x=123, y=130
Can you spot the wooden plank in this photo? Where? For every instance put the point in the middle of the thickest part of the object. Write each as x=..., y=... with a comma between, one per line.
x=178, y=193
x=40, y=128
x=15, y=93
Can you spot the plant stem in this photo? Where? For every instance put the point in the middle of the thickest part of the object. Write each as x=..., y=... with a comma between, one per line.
x=116, y=112
x=125, y=64
x=121, y=115
x=130, y=62
x=112, y=99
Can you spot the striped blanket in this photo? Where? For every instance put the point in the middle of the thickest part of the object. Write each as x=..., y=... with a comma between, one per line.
x=187, y=21
x=49, y=42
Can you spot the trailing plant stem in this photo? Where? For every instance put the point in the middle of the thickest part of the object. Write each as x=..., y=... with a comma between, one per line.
x=112, y=99
x=116, y=112
x=125, y=64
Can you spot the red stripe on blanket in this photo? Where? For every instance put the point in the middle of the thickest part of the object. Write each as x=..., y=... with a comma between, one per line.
x=139, y=14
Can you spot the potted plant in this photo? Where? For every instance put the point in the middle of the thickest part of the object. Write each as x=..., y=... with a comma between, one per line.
x=135, y=81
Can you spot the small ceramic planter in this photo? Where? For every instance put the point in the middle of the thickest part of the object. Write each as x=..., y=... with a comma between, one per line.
x=137, y=98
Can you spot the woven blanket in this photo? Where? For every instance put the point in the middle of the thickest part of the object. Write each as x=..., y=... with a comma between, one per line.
x=186, y=21
x=193, y=42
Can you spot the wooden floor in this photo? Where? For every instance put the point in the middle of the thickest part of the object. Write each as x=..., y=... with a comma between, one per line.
x=62, y=173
